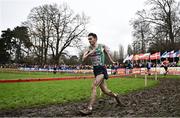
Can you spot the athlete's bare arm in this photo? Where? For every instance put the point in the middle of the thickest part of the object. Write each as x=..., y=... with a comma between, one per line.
x=87, y=53
x=108, y=54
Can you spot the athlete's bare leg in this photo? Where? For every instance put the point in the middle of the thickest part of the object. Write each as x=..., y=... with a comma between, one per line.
x=99, y=79
x=106, y=91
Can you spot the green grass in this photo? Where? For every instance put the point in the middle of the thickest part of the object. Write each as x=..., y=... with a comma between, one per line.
x=20, y=95
x=16, y=74
x=30, y=75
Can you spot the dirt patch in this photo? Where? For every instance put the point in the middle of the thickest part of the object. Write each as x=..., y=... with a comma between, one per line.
x=162, y=100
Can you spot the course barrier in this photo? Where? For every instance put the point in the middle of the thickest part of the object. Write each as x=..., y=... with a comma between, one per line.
x=143, y=71
x=53, y=79
x=120, y=71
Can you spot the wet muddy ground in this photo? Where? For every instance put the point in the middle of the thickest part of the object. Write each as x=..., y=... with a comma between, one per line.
x=162, y=100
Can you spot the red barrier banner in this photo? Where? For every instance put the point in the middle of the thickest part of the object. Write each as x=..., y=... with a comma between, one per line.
x=136, y=71
x=121, y=71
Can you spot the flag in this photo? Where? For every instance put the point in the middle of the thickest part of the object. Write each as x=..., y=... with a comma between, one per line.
x=127, y=57
x=176, y=54
x=165, y=55
x=136, y=57
x=155, y=56
x=145, y=56
x=140, y=56
x=131, y=57
x=171, y=54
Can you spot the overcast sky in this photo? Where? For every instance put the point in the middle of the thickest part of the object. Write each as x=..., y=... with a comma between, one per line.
x=109, y=19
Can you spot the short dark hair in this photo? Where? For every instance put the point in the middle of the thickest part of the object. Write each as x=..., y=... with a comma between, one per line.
x=93, y=35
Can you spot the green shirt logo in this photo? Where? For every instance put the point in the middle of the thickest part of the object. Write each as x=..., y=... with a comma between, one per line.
x=98, y=57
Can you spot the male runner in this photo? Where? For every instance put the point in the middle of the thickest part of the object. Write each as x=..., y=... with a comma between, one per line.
x=148, y=66
x=96, y=53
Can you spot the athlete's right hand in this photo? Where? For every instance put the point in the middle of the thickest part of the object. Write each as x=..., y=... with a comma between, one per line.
x=88, y=53
x=92, y=51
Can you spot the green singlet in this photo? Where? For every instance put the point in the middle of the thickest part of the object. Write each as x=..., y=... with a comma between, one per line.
x=98, y=57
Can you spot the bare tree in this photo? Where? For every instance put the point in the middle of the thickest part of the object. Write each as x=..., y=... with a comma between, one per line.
x=136, y=47
x=165, y=15
x=129, y=50
x=121, y=53
x=39, y=25
x=53, y=29
x=115, y=55
x=68, y=29
x=141, y=33
x=163, y=18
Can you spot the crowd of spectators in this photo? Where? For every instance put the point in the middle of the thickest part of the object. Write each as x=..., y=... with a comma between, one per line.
x=129, y=65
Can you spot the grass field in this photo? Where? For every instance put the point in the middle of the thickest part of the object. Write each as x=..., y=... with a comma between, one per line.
x=30, y=75
x=19, y=95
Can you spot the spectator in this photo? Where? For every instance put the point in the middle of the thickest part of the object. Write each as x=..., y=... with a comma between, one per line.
x=165, y=65
x=148, y=66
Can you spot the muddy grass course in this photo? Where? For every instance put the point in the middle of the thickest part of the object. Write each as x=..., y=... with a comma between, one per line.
x=160, y=101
